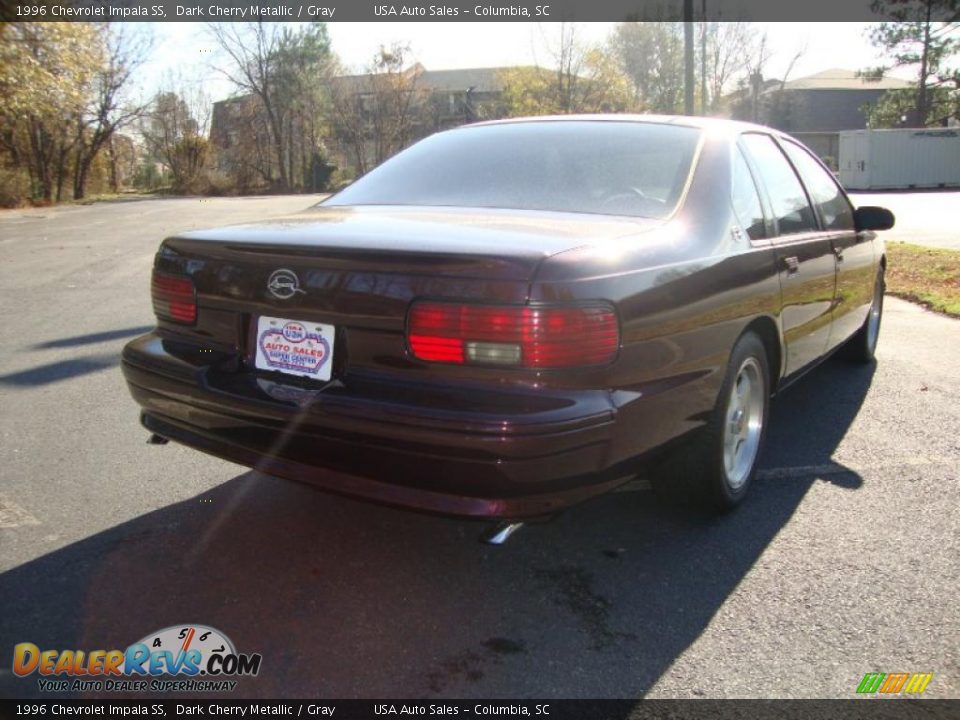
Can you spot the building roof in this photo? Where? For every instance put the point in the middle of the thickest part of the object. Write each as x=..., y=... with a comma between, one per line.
x=842, y=79
x=486, y=79
x=479, y=79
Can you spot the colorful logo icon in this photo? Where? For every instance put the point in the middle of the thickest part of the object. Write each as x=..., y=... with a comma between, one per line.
x=894, y=683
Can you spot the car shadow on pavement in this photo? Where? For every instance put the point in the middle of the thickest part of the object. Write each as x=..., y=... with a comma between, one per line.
x=347, y=599
x=93, y=338
x=810, y=418
x=60, y=370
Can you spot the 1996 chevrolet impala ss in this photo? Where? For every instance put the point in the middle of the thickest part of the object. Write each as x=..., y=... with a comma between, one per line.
x=504, y=318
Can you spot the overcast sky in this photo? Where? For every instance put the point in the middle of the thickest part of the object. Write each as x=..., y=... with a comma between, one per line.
x=184, y=48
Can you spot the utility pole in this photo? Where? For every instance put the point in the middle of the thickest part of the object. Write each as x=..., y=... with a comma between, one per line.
x=688, y=80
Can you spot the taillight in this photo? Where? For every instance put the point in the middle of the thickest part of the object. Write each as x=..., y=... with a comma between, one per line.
x=528, y=337
x=174, y=298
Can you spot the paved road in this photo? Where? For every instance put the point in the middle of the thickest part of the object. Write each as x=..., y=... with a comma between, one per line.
x=924, y=218
x=843, y=560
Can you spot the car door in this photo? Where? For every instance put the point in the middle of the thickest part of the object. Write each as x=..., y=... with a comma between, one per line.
x=804, y=254
x=856, y=268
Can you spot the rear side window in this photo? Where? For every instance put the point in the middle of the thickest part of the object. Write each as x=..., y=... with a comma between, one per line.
x=827, y=196
x=787, y=197
x=746, y=201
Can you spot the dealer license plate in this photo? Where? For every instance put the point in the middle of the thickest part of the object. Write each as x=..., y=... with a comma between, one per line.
x=295, y=347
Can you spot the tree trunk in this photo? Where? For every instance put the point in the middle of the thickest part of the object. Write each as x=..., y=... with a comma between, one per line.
x=80, y=174
x=112, y=155
x=291, y=165
x=276, y=129
x=61, y=174
x=922, y=102
x=703, y=59
x=39, y=145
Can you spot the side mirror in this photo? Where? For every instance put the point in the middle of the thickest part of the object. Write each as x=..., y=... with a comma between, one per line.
x=871, y=217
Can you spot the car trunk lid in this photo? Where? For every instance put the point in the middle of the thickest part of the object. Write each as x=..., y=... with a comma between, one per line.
x=359, y=268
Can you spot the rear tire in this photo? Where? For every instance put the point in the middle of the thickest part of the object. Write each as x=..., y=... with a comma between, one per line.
x=862, y=346
x=716, y=469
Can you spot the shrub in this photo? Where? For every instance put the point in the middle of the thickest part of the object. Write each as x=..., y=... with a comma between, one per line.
x=340, y=178
x=14, y=187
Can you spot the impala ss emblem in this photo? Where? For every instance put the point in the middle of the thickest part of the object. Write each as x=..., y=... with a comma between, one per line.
x=284, y=284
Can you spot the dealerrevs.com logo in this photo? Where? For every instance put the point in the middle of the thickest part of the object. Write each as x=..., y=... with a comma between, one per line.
x=180, y=658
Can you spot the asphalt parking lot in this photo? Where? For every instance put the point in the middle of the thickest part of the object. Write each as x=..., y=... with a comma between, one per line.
x=845, y=558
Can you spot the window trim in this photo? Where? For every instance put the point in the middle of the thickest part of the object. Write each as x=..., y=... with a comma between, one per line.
x=777, y=236
x=821, y=220
x=768, y=223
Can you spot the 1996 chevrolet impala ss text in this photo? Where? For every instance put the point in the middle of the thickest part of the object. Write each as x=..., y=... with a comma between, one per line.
x=502, y=319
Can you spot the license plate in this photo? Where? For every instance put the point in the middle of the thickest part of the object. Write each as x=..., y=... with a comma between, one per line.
x=294, y=347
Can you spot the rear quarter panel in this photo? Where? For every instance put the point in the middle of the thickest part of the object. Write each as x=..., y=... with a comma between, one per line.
x=684, y=293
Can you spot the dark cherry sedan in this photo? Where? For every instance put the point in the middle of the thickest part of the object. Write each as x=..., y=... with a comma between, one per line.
x=505, y=318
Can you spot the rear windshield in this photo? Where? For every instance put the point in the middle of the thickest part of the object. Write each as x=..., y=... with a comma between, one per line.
x=608, y=167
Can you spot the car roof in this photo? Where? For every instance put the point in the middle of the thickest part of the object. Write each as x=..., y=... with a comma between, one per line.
x=722, y=125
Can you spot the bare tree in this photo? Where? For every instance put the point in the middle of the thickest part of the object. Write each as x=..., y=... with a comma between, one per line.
x=585, y=77
x=377, y=114
x=286, y=71
x=348, y=121
x=729, y=47
x=109, y=108
x=122, y=158
x=174, y=129
x=568, y=60
x=762, y=99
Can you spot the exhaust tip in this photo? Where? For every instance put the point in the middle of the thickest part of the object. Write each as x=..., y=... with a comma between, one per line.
x=500, y=533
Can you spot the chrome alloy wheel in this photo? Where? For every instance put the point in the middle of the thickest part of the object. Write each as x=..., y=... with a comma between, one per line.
x=743, y=423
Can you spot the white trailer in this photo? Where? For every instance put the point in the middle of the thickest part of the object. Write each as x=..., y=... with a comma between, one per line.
x=906, y=158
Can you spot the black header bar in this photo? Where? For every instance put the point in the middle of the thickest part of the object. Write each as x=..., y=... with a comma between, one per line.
x=445, y=10
x=864, y=708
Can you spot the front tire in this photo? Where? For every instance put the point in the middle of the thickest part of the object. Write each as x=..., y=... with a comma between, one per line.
x=717, y=469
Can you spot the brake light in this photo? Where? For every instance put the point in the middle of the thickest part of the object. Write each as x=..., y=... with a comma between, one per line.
x=529, y=337
x=174, y=298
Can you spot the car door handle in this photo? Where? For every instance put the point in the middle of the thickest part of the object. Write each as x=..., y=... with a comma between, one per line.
x=792, y=265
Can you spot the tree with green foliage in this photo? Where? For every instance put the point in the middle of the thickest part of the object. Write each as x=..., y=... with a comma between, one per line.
x=62, y=97
x=46, y=79
x=650, y=54
x=924, y=36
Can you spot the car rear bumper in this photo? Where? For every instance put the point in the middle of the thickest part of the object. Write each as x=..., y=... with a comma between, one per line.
x=523, y=453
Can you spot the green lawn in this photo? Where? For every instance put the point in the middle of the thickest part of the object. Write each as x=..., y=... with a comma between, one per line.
x=929, y=276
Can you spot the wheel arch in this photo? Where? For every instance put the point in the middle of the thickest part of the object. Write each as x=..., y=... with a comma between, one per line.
x=768, y=331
